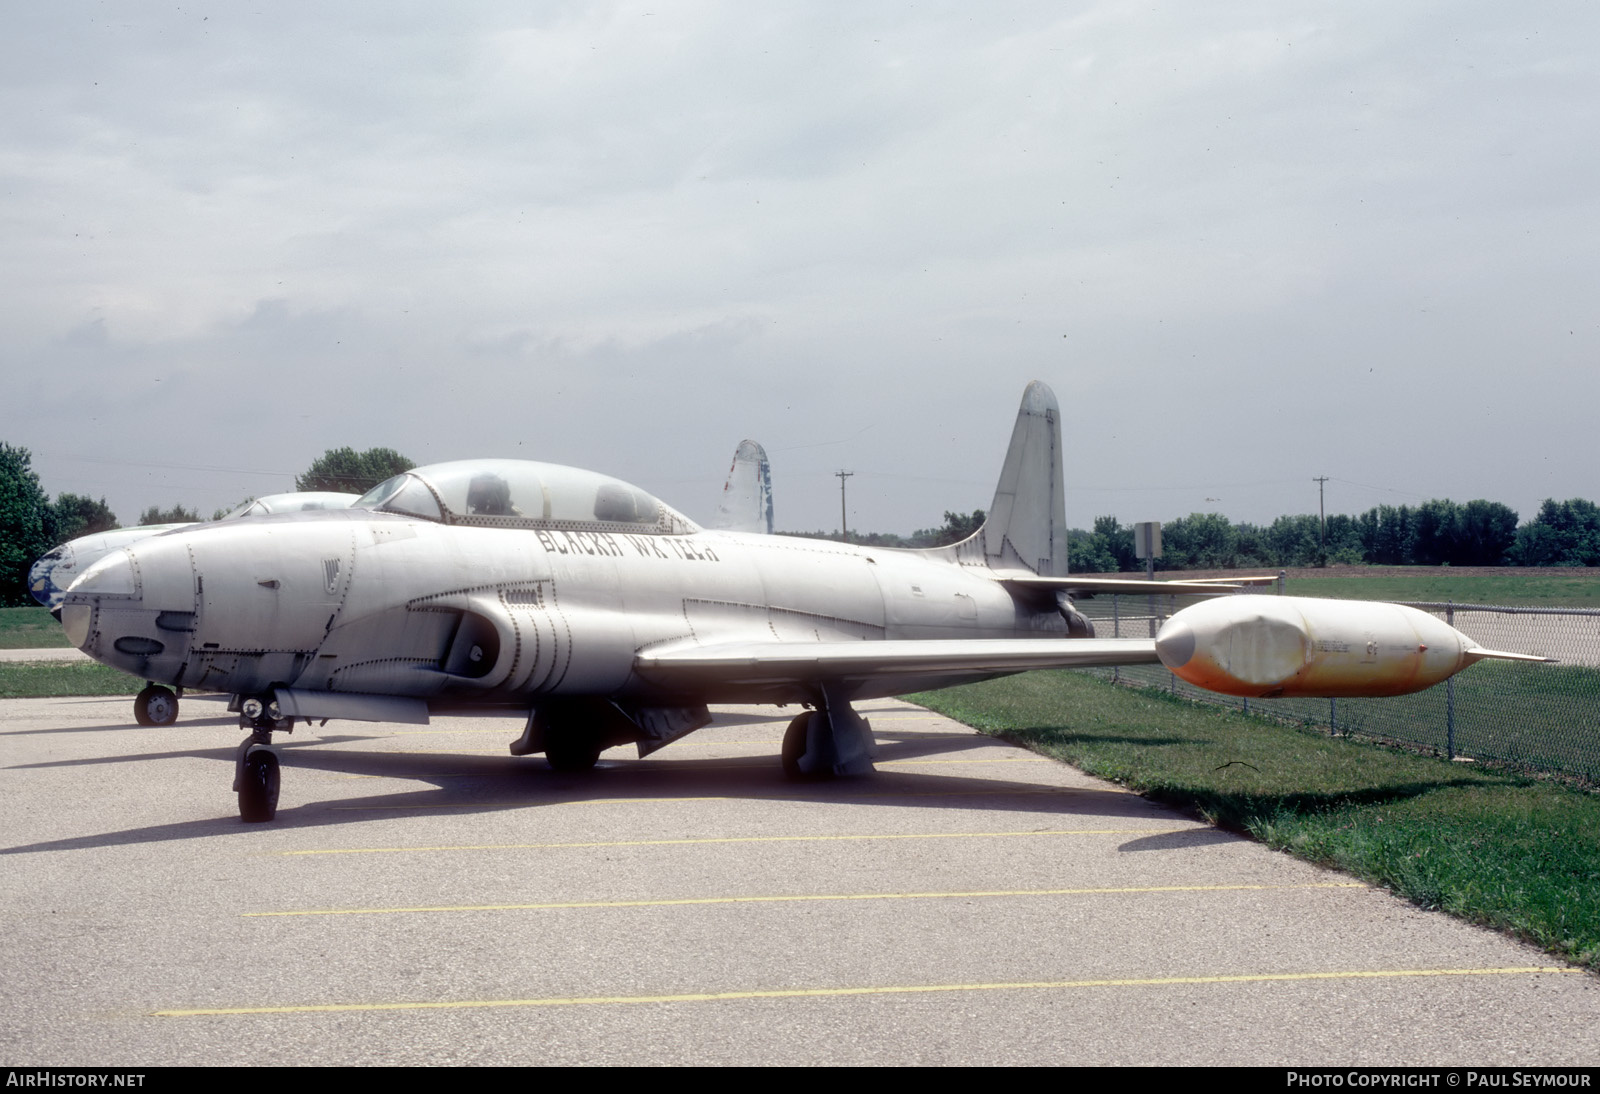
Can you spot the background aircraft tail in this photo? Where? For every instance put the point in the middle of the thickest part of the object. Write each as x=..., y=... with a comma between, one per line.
x=1026, y=527
x=746, y=502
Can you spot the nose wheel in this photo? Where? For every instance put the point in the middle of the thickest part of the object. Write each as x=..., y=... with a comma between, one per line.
x=259, y=781
x=256, y=776
x=155, y=706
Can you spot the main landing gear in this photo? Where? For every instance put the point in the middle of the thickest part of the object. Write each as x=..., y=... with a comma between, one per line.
x=256, y=777
x=573, y=732
x=830, y=740
x=156, y=706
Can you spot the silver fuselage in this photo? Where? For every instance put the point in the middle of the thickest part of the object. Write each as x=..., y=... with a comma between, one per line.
x=373, y=603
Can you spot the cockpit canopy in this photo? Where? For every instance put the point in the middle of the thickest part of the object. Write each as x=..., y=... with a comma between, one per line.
x=291, y=503
x=523, y=494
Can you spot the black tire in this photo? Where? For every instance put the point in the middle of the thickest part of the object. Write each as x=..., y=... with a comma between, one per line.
x=574, y=754
x=258, y=787
x=794, y=746
x=155, y=706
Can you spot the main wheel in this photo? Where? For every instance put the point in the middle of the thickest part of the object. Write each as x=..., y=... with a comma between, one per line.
x=573, y=754
x=794, y=747
x=155, y=706
x=258, y=787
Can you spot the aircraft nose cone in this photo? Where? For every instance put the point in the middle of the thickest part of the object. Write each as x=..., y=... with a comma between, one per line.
x=120, y=610
x=110, y=580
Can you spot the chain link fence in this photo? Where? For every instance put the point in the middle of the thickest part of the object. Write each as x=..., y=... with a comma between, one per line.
x=1542, y=717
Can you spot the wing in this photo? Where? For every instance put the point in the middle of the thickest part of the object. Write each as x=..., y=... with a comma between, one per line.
x=1075, y=586
x=763, y=664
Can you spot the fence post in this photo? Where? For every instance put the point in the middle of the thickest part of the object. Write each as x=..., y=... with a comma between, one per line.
x=1333, y=716
x=1116, y=632
x=1172, y=604
x=1450, y=694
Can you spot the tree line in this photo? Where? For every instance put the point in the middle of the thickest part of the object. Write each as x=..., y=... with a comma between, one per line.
x=1440, y=532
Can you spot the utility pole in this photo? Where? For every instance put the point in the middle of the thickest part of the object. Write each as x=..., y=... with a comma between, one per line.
x=1322, y=519
x=844, y=531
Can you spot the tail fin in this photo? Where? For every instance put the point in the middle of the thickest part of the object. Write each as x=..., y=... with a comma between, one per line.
x=746, y=503
x=1026, y=527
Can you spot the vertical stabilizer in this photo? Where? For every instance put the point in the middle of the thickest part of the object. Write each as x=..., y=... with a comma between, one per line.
x=746, y=503
x=1027, y=524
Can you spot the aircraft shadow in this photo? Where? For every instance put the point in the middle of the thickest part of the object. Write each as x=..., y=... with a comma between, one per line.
x=1177, y=841
x=500, y=784
x=232, y=721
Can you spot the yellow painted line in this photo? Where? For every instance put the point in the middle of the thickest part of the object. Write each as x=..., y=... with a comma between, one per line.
x=798, y=898
x=523, y=803
x=419, y=776
x=1025, y=758
x=748, y=839
x=888, y=989
x=504, y=805
x=511, y=728
x=502, y=750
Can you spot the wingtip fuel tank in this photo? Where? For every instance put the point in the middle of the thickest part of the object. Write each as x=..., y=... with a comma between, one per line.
x=1280, y=646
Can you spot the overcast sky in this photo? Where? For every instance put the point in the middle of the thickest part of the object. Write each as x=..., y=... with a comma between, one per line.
x=1246, y=243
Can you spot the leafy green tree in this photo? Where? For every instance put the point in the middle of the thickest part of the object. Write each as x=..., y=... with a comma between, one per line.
x=957, y=527
x=24, y=522
x=73, y=516
x=1344, y=541
x=1562, y=534
x=1388, y=535
x=1488, y=533
x=1087, y=554
x=176, y=515
x=1117, y=541
x=1293, y=541
x=1106, y=550
x=218, y=514
x=1438, y=532
x=1200, y=541
x=1253, y=549
x=350, y=472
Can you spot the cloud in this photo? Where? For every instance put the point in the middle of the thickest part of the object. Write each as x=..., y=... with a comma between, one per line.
x=1334, y=239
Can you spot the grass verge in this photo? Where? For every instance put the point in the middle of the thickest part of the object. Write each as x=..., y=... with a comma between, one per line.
x=30, y=629
x=1544, y=587
x=50, y=679
x=1503, y=850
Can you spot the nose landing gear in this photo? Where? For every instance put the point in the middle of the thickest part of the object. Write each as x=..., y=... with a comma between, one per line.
x=256, y=777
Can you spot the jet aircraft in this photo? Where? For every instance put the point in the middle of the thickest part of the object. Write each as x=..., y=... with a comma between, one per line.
x=610, y=618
